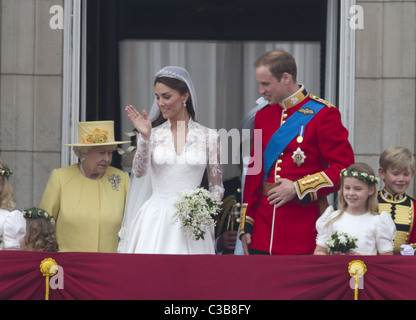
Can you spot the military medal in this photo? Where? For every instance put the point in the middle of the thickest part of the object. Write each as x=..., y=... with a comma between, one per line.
x=301, y=134
x=299, y=157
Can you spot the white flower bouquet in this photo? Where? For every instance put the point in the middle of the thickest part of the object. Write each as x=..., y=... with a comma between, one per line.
x=340, y=242
x=195, y=210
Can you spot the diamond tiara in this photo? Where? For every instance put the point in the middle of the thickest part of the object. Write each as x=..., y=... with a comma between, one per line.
x=169, y=74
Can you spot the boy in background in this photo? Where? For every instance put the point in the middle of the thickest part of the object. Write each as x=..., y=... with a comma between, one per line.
x=397, y=169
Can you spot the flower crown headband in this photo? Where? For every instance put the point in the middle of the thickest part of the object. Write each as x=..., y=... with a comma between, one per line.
x=362, y=176
x=6, y=172
x=35, y=213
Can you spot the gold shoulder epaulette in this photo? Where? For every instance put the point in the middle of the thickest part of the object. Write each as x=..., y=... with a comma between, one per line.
x=316, y=98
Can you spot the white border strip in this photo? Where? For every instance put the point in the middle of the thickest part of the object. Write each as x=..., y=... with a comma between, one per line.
x=347, y=68
x=71, y=92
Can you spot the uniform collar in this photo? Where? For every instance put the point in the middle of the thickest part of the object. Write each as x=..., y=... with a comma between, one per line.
x=393, y=197
x=295, y=98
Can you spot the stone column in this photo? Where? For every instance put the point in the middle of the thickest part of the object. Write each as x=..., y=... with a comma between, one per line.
x=30, y=95
x=385, y=86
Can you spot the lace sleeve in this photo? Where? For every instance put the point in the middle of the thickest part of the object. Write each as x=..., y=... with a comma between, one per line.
x=214, y=171
x=141, y=159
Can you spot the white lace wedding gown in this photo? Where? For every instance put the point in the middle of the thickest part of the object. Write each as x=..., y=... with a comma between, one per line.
x=153, y=229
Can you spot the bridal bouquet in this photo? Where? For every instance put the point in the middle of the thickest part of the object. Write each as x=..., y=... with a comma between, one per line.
x=194, y=210
x=340, y=242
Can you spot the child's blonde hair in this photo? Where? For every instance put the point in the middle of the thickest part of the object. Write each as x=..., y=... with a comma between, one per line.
x=40, y=231
x=372, y=202
x=397, y=158
x=6, y=192
x=364, y=173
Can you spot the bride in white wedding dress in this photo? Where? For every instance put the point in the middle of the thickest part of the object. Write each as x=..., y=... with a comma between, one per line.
x=170, y=158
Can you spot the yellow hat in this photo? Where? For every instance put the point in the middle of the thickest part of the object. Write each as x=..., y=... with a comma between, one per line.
x=96, y=133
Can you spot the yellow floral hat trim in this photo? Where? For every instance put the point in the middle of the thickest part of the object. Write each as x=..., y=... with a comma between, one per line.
x=96, y=133
x=97, y=136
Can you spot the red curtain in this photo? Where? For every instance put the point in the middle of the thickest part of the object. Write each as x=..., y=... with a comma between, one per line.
x=90, y=276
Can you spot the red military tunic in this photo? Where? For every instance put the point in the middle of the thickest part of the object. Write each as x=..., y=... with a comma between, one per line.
x=314, y=166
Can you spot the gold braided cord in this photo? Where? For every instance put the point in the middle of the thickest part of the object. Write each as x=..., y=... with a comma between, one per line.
x=357, y=269
x=48, y=268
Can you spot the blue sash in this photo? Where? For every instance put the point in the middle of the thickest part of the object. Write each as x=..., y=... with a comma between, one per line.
x=287, y=132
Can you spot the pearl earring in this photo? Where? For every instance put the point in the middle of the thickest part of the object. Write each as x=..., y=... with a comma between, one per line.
x=184, y=104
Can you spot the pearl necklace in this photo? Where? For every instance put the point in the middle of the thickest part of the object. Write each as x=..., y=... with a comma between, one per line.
x=81, y=168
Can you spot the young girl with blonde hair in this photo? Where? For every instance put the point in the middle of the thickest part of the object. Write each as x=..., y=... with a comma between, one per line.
x=12, y=223
x=40, y=231
x=358, y=215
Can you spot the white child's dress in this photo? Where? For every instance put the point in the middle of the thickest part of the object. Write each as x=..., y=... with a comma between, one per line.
x=375, y=233
x=12, y=229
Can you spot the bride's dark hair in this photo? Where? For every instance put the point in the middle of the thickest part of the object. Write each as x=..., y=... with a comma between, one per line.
x=182, y=88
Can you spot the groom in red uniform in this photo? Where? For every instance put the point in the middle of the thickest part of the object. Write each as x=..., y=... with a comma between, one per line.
x=302, y=148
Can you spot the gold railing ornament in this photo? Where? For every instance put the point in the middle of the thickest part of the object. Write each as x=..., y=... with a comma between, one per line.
x=48, y=268
x=357, y=269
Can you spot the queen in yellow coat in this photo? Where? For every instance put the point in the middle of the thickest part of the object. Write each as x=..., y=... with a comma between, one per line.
x=87, y=199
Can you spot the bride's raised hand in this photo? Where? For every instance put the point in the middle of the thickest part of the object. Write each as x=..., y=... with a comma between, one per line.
x=141, y=122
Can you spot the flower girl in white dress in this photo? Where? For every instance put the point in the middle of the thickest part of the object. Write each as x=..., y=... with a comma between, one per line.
x=358, y=216
x=12, y=222
x=171, y=157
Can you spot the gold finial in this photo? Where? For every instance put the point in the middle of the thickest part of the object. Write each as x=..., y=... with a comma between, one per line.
x=48, y=268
